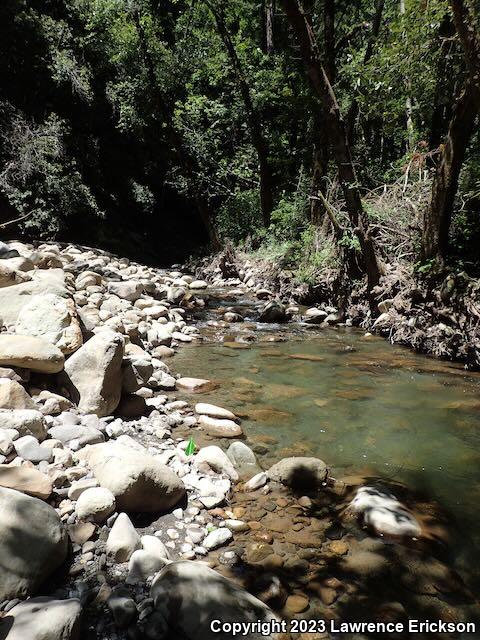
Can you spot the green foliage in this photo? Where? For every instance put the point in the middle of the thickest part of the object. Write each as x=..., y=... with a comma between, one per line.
x=295, y=243
x=39, y=179
x=239, y=218
x=426, y=268
x=106, y=106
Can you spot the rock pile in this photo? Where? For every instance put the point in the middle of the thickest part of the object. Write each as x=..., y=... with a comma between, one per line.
x=87, y=442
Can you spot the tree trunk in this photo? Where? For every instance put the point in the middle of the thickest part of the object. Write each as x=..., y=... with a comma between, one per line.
x=186, y=160
x=438, y=215
x=321, y=145
x=253, y=119
x=341, y=150
x=269, y=10
x=465, y=24
x=329, y=36
x=321, y=157
x=408, y=103
x=444, y=96
x=352, y=114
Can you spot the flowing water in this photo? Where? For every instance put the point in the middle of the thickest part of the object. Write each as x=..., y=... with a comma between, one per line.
x=358, y=403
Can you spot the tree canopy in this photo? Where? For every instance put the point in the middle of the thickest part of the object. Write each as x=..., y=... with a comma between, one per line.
x=207, y=121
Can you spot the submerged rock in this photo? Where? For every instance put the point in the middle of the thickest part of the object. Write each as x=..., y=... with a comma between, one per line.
x=299, y=473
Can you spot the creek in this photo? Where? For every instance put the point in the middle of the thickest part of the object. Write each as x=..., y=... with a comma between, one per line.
x=362, y=405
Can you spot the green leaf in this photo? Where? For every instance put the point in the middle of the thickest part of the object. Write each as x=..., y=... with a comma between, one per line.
x=191, y=446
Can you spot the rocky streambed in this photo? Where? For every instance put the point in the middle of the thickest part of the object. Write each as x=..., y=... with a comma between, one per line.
x=132, y=508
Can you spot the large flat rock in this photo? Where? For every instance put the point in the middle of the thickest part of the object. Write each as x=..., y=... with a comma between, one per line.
x=27, y=480
x=29, y=352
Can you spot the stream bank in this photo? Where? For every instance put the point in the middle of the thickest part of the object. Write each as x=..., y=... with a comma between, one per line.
x=432, y=314
x=97, y=419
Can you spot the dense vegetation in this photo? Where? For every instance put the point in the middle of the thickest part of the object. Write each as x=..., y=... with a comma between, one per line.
x=317, y=132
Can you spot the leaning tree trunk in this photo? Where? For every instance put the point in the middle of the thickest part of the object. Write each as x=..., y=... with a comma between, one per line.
x=438, y=215
x=341, y=150
x=253, y=118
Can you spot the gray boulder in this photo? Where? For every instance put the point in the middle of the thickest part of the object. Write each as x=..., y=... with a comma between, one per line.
x=273, y=311
x=217, y=460
x=32, y=543
x=29, y=449
x=243, y=459
x=126, y=289
x=10, y=276
x=7, y=252
x=43, y=618
x=53, y=318
x=26, y=421
x=94, y=374
x=139, y=482
x=95, y=504
x=82, y=433
x=188, y=596
x=14, y=298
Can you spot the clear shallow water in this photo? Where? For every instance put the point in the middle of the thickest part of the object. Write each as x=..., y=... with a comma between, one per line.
x=361, y=405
